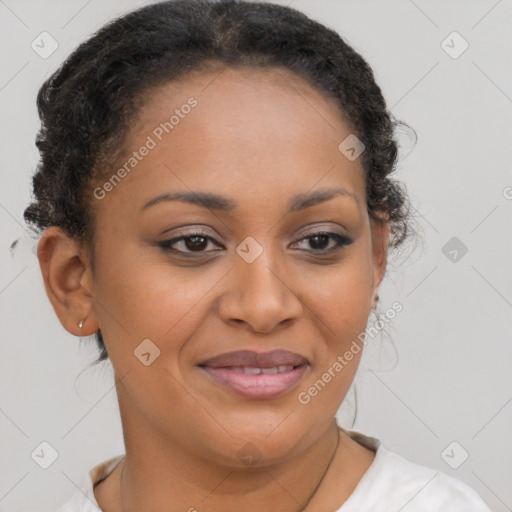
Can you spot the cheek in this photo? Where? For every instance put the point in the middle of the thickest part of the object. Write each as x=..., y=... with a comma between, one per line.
x=341, y=296
x=341, y=304
x=158, y=301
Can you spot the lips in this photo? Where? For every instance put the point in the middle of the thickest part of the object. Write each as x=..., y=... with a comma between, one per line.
x=257, y=375
x=248, y=358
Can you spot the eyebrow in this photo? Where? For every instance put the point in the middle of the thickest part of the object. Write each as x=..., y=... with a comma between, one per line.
x=222, y=203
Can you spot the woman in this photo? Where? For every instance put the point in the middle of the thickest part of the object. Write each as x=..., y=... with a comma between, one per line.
x=216, y=207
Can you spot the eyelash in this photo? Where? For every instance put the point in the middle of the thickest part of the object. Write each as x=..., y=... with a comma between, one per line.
x=341, y=241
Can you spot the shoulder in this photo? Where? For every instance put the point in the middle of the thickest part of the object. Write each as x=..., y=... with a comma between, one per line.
x=422, y=486
x=393, y=482
x=79, y=503
x=84, y=500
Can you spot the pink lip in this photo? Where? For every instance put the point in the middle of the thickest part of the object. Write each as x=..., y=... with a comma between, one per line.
x=227, y=370
x=259, y=386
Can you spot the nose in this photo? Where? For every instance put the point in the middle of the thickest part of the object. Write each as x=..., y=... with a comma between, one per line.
x=261, y=297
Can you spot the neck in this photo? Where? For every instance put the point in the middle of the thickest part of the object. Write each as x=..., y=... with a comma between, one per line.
x=163, y=476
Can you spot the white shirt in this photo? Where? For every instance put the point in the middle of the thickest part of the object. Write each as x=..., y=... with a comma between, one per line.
x=392, y=483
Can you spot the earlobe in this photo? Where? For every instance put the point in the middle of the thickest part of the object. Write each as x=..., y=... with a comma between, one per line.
x=64, y=270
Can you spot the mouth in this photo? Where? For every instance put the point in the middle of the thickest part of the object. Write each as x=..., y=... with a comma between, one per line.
x=257, y=375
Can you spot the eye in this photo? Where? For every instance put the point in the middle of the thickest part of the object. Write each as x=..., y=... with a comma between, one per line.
x=198, y=242
x=319, y=241
x=192, y=243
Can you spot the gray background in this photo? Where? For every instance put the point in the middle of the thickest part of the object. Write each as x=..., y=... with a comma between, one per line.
x=453, y=380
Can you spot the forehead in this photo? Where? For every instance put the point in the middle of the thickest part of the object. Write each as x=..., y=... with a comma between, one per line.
x=247, y=130
x=286, y=103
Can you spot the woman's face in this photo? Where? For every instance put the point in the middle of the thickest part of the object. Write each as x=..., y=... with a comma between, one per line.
x=264, y=146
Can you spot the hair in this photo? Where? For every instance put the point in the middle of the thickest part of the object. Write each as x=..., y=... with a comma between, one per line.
x=87, y=105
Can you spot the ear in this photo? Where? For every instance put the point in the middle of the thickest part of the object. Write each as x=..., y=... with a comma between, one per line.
x=68, y=280
x=380, y=244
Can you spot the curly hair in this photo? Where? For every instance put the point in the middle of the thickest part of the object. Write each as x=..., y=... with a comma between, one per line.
x=86, y=106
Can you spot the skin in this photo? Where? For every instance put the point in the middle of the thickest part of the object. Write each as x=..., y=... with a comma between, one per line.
x=258, y=137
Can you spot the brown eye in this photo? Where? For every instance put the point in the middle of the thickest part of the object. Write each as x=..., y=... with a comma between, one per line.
x=319, y=242
x=196, y=243
x=192, y=243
